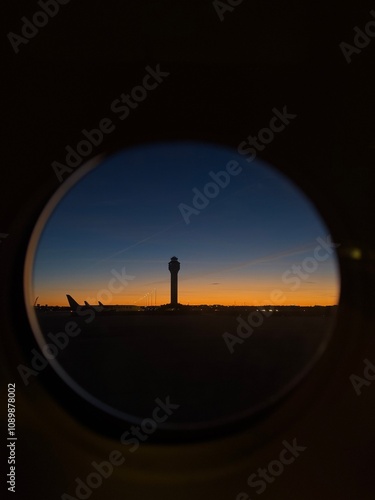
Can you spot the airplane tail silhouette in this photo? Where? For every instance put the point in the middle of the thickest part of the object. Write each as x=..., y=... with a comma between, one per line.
x=87, y=304
x=100, y=303
x=73, y=304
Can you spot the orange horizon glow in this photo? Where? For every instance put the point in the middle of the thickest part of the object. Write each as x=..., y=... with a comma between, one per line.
x=263, y=294
x=237, y=304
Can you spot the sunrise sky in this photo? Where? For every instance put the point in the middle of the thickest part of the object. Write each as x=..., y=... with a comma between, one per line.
x=125, y=214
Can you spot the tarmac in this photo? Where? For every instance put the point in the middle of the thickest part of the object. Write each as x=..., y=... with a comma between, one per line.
x=127, y=361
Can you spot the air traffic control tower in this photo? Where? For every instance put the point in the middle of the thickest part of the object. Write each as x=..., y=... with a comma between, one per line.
x=174, y=267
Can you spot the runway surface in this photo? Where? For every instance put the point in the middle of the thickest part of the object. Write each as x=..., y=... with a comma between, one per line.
x=127, y=361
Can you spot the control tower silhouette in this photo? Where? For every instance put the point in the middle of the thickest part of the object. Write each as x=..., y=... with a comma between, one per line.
x=174, y=267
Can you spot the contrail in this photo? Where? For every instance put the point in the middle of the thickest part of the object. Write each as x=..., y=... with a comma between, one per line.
x=119, y=252
x=269, y=258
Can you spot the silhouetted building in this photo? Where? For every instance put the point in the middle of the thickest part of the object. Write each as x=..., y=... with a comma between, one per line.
x=174, y=267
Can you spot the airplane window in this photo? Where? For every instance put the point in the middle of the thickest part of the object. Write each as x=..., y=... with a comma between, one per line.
x=181, y=273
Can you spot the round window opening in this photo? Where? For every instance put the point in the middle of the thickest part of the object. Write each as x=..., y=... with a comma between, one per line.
x=181, y=277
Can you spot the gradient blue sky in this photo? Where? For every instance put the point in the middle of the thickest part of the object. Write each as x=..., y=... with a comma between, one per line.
x=125, y=213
